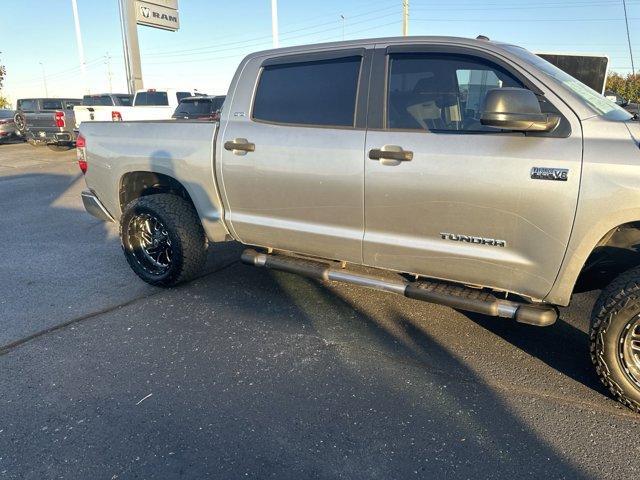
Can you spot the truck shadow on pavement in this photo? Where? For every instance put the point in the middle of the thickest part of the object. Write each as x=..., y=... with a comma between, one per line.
x=562, y=346
x=417, y=387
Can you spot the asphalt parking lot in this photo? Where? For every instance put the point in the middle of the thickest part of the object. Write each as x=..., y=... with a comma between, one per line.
x=246, y=373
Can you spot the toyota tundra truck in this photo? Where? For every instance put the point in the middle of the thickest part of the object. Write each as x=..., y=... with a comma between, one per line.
x=467, y=173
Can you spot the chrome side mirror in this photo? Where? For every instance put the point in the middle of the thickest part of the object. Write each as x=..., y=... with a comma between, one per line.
x=516, y=109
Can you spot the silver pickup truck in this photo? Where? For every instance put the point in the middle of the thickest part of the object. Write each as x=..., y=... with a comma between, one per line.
x=469, y=173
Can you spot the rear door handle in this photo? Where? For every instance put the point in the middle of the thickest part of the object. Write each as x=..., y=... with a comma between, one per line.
x=390, y=155
x=240, y=146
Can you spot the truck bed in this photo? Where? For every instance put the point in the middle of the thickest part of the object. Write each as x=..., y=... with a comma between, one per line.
x=181, y=150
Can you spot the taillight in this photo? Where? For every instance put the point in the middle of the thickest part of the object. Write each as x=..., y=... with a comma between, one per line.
x=60, y=119
x=81, y=152
x=116, y=117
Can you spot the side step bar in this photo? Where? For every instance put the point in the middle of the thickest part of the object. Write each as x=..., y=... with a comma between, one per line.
x=433, y=291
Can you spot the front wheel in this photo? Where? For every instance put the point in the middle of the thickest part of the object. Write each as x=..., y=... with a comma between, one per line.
x=615, y=338
x=163, y=239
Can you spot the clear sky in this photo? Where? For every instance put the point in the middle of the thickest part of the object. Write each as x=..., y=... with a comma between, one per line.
x=214, y=35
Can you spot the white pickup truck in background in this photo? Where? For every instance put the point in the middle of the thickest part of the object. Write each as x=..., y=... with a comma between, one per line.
x=150, y=104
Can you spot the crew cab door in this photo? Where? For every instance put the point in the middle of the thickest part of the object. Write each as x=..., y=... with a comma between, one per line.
x=292, y=151
x=455, y=199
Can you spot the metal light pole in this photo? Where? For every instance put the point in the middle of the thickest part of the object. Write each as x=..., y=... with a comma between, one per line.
x=274, y=23
x=130, y=45
x=343, y=19
x=76, y=21
x=626, y=21
x=44, y=80
x=405, y=18
x=107, y=61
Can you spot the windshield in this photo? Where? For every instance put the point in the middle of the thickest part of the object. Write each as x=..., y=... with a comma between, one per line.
x=600, y=104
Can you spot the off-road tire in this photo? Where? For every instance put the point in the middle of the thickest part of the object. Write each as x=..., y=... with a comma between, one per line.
x=59, y=148
x=188, y=241
x=617, y=306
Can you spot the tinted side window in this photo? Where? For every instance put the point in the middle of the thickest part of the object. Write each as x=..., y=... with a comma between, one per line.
x=51, y=105
x=441, y=92
x=313, y=93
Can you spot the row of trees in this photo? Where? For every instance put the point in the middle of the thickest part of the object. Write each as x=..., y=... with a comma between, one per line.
x=627, y=86
x=4, y=101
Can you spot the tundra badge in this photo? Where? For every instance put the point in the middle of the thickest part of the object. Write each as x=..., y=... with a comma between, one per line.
x=543, y=173
x=471, y=239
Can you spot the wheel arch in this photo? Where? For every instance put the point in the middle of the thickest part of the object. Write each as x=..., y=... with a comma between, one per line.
x=598, y=258
x=141, y=183
x=138, y=183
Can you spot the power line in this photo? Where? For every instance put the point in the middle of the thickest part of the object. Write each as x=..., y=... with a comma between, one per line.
x=525, y=20
x=626, y=21
x=251, y=41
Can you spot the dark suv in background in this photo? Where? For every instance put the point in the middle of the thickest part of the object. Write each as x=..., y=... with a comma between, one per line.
x=48, y=121
x=199, y=108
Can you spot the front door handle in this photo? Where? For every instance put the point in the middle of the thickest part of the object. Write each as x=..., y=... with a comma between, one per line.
x=240, y=146
x=390, y=155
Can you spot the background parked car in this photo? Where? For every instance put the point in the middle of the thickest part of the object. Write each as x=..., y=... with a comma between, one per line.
x=201, y=108
x=8, y=129
x=48, y=121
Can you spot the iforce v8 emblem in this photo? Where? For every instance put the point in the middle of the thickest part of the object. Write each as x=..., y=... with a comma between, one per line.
x=543, y=173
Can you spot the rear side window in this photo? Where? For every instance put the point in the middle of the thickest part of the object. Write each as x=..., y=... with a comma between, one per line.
x=51, y=105
x=151, y=98
x=309, y=93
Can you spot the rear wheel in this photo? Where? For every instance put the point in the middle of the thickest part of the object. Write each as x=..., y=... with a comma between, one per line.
x=615, y=338
x=163, y=239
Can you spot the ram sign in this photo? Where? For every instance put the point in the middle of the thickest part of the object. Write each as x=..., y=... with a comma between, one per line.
x=158, y=16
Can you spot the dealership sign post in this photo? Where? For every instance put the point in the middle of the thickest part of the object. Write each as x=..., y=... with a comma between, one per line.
x=161, y=14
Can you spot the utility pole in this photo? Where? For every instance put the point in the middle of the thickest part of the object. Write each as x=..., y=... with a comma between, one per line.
x=405, y=18
x=343, y=20
x=274, y=23
x=44, y=80
x=76, y=21
x=626, y=21
x=130, y=45
x=107, y=61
